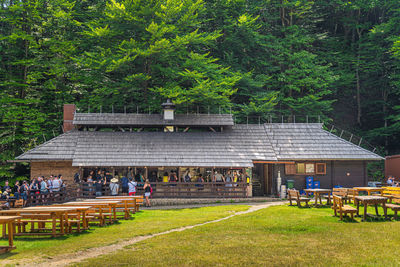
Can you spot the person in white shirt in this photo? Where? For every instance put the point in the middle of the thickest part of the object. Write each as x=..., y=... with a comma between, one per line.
x=132, y=187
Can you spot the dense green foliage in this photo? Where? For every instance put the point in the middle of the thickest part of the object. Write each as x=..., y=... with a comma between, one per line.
x=334, y=58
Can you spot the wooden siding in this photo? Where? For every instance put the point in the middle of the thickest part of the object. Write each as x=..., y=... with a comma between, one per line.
x=47, y=168
x=336, y=174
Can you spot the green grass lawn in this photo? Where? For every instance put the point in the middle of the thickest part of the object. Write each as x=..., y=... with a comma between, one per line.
x=143, y=223
x=276, y=236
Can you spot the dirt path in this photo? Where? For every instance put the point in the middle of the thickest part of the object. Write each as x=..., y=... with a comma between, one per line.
x=67, y=259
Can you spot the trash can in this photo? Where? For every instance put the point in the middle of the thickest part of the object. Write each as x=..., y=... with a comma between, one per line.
x=290, y=184
x=317, y=184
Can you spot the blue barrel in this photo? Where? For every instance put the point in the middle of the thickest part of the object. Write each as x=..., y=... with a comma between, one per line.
x=310, y=185
x=309, y=179
x=317, y=184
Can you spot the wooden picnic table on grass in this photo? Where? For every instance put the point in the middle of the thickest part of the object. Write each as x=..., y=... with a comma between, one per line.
x=318, y=194
x=370, y=200
x=41, y=216
x=8, y=223
x=369, y=190
x=138, y=199
x=127, y=205
x=76, y=212
x=110, y=204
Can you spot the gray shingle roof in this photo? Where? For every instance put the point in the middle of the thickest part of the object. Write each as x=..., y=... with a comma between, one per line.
x=129, y=119
x=235, y=147
x=309, y=141
x=61, y=147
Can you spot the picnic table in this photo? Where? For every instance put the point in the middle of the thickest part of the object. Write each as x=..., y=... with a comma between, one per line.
x=370, y=200
x=138, y=199
x=127, y=204
x=41, y=216
x=79, y=212
x=318, y=194
x=8, y=222
x=369, y=190
x=100, y=205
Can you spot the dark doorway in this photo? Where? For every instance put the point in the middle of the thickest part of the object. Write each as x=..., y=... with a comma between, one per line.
x=268, y=173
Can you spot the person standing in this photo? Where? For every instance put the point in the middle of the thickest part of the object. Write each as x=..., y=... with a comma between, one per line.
x=56, y=184
x=132, y=187
x=124, y=185
x=187, y=177
x=114, y=186
x=99, y=187
x=16, y=190
x=24, y=190
x=165, y=177
x=147, y=193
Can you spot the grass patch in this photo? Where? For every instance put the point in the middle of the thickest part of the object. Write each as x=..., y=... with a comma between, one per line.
x=143, y=223
x=275, y=236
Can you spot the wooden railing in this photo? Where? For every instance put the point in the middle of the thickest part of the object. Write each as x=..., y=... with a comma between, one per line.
x=51, y=197
x=175, y=190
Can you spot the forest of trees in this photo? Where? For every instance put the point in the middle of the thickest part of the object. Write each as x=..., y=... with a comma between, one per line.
x=334, y=58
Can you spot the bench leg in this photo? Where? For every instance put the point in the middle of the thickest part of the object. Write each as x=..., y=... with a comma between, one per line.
x=341, y=215
x=395, y=214
x=352, y=215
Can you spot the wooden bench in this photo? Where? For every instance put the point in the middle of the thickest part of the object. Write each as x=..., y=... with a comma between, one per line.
x=294, y=195
x=8, y=223
x=393, y=207
x=351, y=194
x=338, y=207
x=392, y=193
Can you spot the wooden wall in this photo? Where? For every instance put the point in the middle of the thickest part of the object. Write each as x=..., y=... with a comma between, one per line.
x=48, y=168
x=336, y=174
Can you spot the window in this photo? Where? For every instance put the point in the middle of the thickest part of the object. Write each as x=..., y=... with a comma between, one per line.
x=321, y=168
x=305, y=168
x=310, y=168
x=290, y=169
x=300, y=168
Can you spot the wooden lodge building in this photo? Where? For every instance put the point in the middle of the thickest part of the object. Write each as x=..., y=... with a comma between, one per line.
x=155, y=144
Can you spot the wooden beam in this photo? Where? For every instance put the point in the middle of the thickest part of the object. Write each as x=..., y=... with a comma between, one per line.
x=212, y=129
x=274, y=162
x=186, y=129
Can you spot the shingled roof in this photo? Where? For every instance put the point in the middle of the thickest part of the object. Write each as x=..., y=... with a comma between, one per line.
x=129, y=119
x=232, y=148
x=61, y=147
x=309, y=141
x=238, y=146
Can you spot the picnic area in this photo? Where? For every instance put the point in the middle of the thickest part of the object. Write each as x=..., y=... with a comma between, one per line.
x=306, y=230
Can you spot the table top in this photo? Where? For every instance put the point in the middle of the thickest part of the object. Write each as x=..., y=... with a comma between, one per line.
x=317, y=190
x=6, y=219
x=377, y=198
x=93, y=203
x=366, y=188
x=37, y=210
x=106, y=200
x=61, y=207
x=113, y=197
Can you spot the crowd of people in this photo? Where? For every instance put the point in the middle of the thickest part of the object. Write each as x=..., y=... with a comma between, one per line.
x=37, y=186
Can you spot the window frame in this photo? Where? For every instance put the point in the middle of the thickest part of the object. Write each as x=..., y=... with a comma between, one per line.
x=316, y=168
x=315, y=172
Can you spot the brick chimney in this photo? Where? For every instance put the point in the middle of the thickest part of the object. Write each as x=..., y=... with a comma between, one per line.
x=69, y=111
